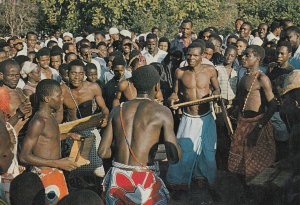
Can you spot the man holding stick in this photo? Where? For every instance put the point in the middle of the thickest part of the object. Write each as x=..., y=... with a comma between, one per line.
x=197, y=130
x=131, y=137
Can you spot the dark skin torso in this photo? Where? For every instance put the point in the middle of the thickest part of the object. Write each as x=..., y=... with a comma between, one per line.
x=195, y=84
x=254, y=101
x=88, y=91
x=143, y=121
x=17, y=97
x=41, y=146
x=48, y=143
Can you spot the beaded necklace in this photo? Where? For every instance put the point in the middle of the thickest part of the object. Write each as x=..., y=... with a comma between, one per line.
x=255, y=77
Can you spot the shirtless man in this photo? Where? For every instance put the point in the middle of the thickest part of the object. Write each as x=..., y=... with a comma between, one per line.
x=197, y=130
x=20, y=107
x=6, y=157
x=80, y=91
x=41, y=147
x=119, y=88
x=6, y=154
x=82, y=99
x=253, y=148
x=133, y=130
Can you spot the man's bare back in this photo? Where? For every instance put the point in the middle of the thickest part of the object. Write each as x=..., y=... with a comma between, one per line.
x=143, y=121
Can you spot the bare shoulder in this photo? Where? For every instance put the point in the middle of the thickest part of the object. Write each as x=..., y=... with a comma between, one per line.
x=180, y=71
x=209, y=69
x=162, y=111
x=64, y=88
x=91, y=85
x=37, y=122
x=264, y=79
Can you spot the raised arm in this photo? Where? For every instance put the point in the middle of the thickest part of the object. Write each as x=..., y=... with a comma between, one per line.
x=101, y=103
x=173, y=150
x=104, y=150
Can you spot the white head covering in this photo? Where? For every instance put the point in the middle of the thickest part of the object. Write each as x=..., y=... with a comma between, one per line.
x=113, y=30
x=77, y=39
x=91, y=37
x=68, y=34
x=27, y=68
x=126, y=33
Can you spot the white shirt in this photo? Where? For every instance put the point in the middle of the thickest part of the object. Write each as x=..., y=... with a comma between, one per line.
x=204, y=61
x=110, y=74
x=271, y=36
x=55, y=75
x=103, y=67
x=227, y=83
x=158, y=58
x=21, y=83
x=98, y=66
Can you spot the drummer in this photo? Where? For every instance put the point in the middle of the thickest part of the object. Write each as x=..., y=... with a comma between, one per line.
x=41, y=147
x=197, y=129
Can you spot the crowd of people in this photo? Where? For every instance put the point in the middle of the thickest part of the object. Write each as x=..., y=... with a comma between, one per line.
x=216, y=103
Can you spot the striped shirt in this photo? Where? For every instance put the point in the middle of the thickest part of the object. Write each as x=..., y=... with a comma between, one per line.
x=227, y=83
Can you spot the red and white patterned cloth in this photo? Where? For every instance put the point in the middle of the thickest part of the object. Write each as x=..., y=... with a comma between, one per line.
x=126, y=184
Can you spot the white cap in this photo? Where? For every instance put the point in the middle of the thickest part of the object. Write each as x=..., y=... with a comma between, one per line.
x=27, y=68
x=68, y=34
x=77, y=39
x=126, y=33
x=91, y=37
x=113, y=30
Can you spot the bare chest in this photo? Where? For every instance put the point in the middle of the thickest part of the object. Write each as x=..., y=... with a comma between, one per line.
x=15, y=101
x=195, y=80
x=51, y=130
x=249, y=84
x=73, y=97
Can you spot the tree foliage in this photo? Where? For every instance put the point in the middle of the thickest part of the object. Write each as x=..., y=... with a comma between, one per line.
x=257, y=11
x=141, y=15
x=18, y=16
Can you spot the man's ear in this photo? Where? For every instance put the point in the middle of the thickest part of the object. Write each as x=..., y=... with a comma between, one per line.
x=157, y=87
x=1, y=76
x=47, y=99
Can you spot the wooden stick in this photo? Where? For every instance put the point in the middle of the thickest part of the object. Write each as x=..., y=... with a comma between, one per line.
x=81, y=124
x=195, y=102
x=76, y=155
